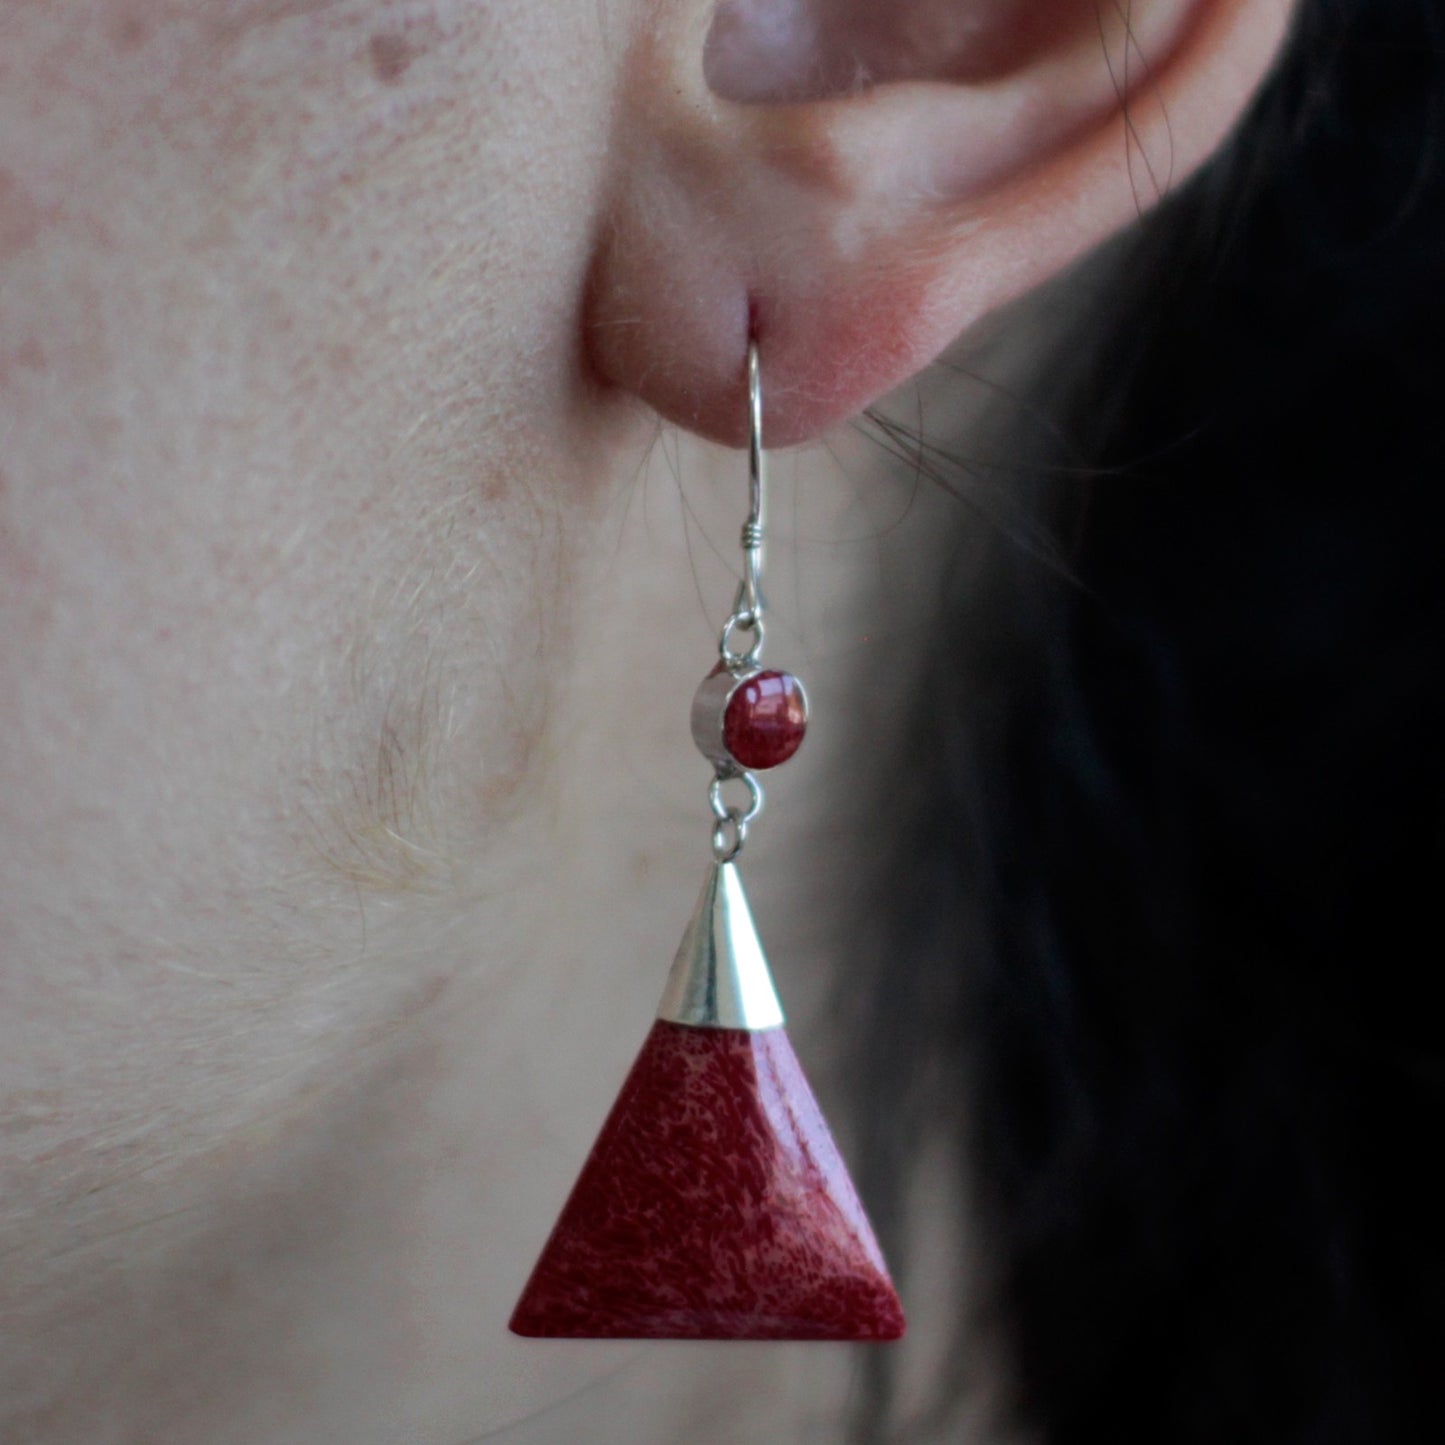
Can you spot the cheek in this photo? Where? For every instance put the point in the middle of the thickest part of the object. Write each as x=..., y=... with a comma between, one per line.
x=290, y=411
x=250, y=731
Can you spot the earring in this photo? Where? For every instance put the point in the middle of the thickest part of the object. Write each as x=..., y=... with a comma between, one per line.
x=714, y=1204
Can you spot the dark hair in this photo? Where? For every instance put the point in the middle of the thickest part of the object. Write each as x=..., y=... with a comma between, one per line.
x=1166, y=907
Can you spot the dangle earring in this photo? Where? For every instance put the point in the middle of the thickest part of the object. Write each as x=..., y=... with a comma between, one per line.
x=714, y=1204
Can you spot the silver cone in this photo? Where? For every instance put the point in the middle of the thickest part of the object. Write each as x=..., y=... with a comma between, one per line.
x=720, y=977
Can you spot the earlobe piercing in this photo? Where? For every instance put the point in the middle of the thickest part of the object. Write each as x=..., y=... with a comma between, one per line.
x=714, y=1204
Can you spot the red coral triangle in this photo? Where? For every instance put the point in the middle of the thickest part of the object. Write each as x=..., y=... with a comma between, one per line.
x=714, y=1205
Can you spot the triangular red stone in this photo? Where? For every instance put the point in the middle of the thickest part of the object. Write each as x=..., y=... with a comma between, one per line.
x=713, y=1206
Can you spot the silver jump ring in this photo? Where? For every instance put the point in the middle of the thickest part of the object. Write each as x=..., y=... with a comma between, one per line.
x=728, y=836
x=734, y=657
x=723, y=810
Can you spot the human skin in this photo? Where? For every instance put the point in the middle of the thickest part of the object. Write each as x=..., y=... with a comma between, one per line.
x=347, y=817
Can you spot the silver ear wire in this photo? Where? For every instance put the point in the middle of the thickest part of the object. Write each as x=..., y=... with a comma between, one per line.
x=747, y=613
x=753, y=527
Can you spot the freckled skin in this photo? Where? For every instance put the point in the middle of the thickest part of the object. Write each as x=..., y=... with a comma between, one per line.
x=714, y=1206
x=21, y=220
x=390, y=56
x=290, y=413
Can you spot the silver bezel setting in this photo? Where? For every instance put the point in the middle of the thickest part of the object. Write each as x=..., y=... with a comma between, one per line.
x=710, y=707
x=709, y=713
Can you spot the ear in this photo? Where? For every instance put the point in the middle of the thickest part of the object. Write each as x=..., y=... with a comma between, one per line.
x=854, y=182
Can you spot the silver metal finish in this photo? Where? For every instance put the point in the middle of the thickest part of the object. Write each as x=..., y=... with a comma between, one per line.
x=709, y=712
x=750, y=595
x=740, y=660
x=747, y=613
x=720, y=978
x=730, y=831
x=722, y=810
x=728, y=836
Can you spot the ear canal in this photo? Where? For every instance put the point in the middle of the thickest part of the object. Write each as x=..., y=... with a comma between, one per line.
x=774, y=51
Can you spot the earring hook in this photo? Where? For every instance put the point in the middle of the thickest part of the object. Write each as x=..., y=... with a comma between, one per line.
x=747, y=614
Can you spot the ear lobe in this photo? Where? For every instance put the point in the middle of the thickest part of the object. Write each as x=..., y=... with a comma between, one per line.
x=856, y=234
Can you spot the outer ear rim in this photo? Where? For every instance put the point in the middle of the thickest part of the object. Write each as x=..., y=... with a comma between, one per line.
x=684, y=270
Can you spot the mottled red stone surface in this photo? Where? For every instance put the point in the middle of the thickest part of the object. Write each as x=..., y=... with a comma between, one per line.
x=765, y=720
x=713, y=1206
